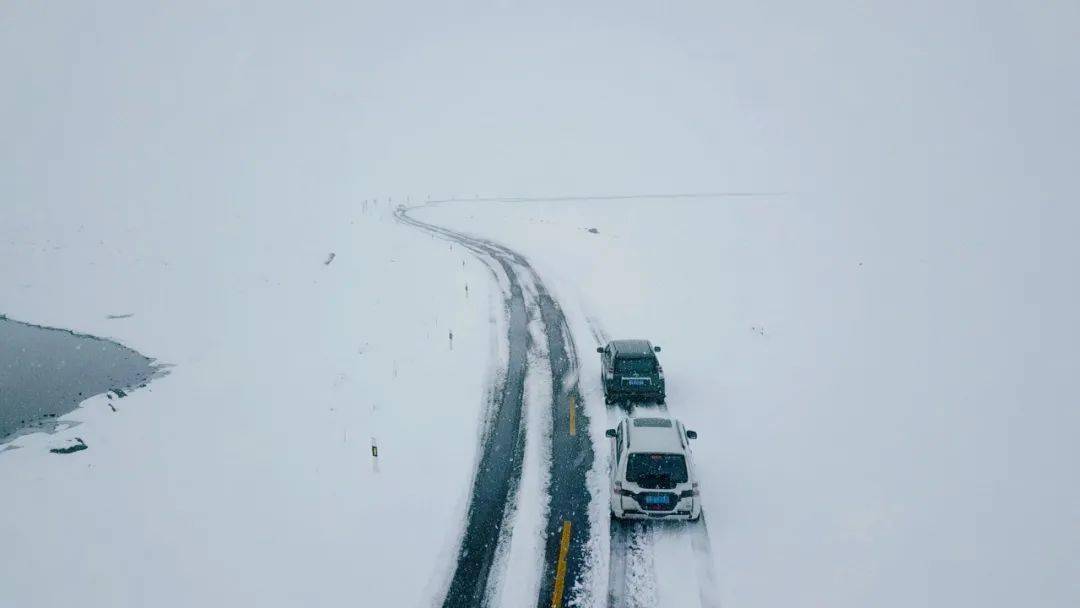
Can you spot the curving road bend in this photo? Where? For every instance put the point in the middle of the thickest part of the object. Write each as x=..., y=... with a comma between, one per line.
x=498, y=473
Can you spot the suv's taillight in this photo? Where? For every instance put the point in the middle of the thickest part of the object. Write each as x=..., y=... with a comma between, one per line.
x=693, y=491
x=620, y=491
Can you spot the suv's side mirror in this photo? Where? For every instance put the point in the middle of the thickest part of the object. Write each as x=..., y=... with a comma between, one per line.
x=609, y=433
x=600, y=349
x=691, y=434
x=656, y=349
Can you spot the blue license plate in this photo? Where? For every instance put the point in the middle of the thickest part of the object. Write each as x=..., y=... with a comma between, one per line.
x=636, y=382
x=656, y=500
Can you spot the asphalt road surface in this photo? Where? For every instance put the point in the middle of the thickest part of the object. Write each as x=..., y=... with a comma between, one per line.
x=499, y=470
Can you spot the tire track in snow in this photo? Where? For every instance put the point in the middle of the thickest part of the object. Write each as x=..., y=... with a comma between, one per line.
x=703, y=562
x=620, y=547
x=639, y=590
x=632, y=573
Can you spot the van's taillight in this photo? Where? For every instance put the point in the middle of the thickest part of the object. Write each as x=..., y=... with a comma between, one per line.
x=693, y=491
x=620, y=491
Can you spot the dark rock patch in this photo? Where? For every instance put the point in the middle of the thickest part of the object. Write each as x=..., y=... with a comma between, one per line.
x=75, y=447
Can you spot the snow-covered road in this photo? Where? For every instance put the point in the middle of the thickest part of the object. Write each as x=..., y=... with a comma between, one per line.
x=573, y=510
x=494, y=499
x=576, y=504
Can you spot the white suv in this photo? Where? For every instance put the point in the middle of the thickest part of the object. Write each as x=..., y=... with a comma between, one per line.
x=652, y=473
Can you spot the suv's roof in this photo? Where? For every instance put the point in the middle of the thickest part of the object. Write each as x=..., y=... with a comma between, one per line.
x=632, y=348
x=655, y=434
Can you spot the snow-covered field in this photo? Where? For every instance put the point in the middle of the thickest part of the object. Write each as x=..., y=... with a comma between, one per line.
x=835, y=452
x=245, y=476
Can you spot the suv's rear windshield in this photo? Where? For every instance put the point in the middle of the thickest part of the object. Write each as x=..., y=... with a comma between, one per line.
x=641, y=365
x=656, y=470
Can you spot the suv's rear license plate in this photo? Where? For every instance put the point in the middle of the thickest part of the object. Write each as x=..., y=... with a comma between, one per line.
x=636, y=382
x=656, y=500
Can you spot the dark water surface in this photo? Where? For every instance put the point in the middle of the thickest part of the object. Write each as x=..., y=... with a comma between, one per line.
x=46, y=372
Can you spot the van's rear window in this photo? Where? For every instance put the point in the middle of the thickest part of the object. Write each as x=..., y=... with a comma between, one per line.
x=656, y=470
x=635, y=366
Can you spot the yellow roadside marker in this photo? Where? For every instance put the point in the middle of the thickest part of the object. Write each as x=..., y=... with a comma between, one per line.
x=560, y=568
x=573, y=410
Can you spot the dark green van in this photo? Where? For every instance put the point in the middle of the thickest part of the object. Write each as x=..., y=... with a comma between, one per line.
x=630, y=371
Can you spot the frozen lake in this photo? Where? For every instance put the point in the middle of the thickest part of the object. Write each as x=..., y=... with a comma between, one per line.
x=46, y=373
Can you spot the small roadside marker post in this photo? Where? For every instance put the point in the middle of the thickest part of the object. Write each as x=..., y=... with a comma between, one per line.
x=374, y=455
x=451, y=339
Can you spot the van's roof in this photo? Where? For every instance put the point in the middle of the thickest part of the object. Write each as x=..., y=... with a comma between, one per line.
x=655, y=435
x=632, y=348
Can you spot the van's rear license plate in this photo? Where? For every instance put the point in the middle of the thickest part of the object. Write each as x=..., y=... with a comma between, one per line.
x=636, y=382
x=656, y=500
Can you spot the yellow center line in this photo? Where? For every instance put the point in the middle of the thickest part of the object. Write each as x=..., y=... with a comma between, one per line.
x=573, y=410
x=560, y=568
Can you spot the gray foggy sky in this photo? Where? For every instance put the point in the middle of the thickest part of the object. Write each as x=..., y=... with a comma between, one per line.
x=342, y=99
